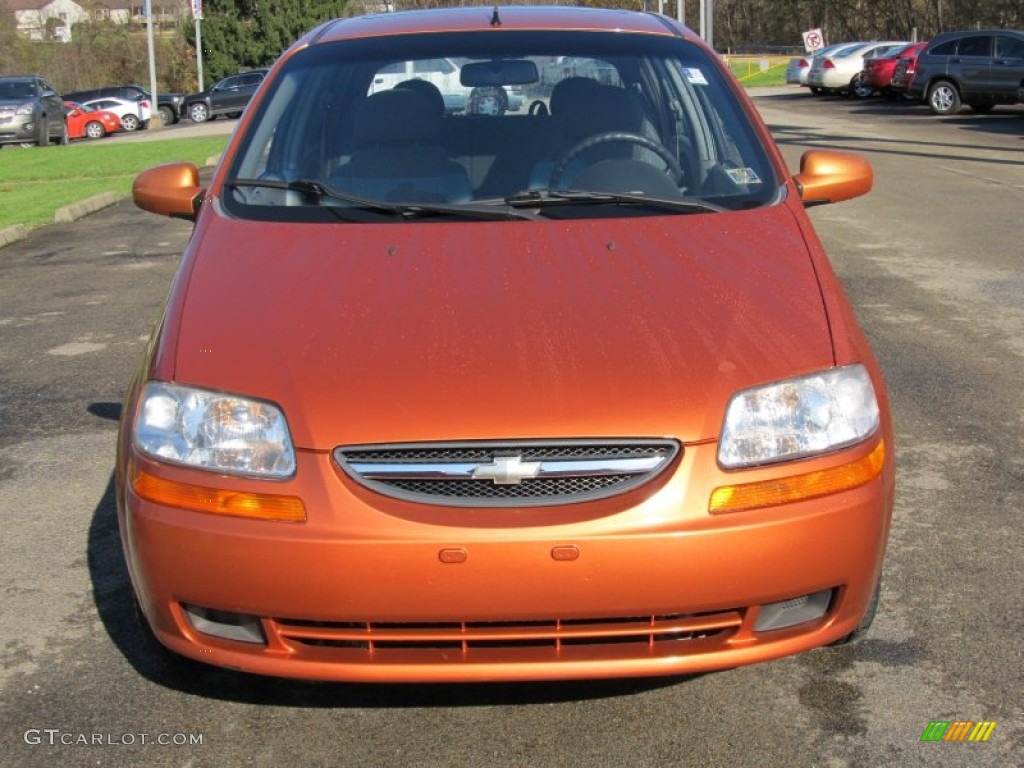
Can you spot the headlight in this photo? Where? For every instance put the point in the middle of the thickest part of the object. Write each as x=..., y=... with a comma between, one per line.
x=799, y=417
x=213, y=430
x=26, y=109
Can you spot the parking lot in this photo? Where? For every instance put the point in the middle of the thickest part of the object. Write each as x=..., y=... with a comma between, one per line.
x=932, y=261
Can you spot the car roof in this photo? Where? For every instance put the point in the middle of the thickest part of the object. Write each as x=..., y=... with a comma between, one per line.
x=518, y=17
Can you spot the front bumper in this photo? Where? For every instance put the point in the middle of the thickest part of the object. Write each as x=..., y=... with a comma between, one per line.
x=18, y=129
x=366, y=591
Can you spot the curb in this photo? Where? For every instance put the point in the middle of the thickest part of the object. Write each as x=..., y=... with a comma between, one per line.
x=13, y=234
x=82, y=208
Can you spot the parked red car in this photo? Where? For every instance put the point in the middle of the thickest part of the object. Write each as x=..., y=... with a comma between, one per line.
x=446, y=397
x=86, y=122
x=878, y=72
x=903, y=72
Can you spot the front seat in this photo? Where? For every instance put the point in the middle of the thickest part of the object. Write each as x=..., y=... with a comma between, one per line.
x=397, y=155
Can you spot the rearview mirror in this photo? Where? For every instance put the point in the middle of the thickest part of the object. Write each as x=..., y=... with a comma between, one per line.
x=499, y=72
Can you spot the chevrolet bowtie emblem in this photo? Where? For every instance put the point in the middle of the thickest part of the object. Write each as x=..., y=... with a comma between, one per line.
x=507, y=470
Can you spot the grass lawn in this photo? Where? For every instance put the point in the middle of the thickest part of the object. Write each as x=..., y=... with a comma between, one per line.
x=759, y=71
x=34, y=183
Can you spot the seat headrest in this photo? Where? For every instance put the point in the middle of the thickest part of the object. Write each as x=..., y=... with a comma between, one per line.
x=608, y=108
x=428, y=89
x=568, y=94
x=397, y=116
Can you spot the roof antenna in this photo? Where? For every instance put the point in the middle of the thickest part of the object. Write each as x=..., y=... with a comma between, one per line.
x=495, y=19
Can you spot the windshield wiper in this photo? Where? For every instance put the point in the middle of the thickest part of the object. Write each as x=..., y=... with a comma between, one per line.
x=536, y=198
x=411, y=210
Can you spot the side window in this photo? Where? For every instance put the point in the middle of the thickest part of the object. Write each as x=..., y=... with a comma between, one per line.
x=398, y=68
x=948, y=48
x=1009, y=48
x=424, y=66
x=976, y=45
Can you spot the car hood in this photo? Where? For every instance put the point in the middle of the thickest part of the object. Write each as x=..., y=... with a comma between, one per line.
x=639, y=327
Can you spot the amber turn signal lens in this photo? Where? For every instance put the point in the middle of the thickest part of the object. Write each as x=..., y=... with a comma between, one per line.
x=218, y=501
x=783, y=490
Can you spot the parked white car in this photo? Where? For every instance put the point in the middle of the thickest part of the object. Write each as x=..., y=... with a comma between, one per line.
x=134, y=114
x=840, y=72
x=800, y=66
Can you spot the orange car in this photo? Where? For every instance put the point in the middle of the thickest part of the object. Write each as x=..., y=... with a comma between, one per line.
x=88, y=122
x=567, y=393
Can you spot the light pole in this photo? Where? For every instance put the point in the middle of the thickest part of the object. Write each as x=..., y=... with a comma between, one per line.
x=197, y=14
x=154, y=113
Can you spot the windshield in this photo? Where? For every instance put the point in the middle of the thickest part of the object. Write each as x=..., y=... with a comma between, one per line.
x=17, y=89
x=564, y=122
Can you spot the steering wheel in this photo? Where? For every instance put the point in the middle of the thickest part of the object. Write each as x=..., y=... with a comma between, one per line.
x=539, y=108
x=672, y=167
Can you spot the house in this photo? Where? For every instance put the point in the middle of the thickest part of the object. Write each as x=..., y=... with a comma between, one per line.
x=47, y=19
x=53, y=19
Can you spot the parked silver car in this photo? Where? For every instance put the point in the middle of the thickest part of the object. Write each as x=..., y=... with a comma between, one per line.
x=800, y=66
x=31, y=112
x=841, y=72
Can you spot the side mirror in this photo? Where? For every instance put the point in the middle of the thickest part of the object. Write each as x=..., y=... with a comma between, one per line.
x=170, y=190
x=829, y=176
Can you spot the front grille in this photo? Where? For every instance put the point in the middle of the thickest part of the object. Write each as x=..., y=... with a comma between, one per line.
x=513, y=473
x=624, y=636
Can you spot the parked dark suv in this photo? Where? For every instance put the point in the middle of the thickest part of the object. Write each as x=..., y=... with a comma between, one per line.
x=170, y=105
x=979, y=68
x=227, y=97
x=31, y=112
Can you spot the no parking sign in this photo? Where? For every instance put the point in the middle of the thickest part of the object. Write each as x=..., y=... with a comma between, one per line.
x=813, y=40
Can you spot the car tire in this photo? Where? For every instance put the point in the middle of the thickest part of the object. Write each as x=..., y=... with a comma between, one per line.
x=866, y=622
x=944, y=98
x=816, y=90
x=166, y=115
x=198, y=112
x=63, y=140
x=859, y=89
x=42, y=134
x=94, y=130
x=131, y=122
x=234, y=115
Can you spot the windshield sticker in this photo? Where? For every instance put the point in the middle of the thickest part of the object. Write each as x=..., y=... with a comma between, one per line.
x=743, y=175
x=694, y=76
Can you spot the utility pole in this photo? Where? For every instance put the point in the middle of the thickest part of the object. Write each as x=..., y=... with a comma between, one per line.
x=197, y=14
x=154, y=113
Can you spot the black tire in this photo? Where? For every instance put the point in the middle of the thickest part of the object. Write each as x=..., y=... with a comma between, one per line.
x=43, y=133
x=944, y=98
x=487, y=100
x=866, y=622
x=816, y=90
x=198, y=112
x=234, y=115
x=859, y=89
x=94, y=130
x=167, y=115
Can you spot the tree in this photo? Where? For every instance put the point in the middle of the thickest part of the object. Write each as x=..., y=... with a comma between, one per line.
x=239, y=34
